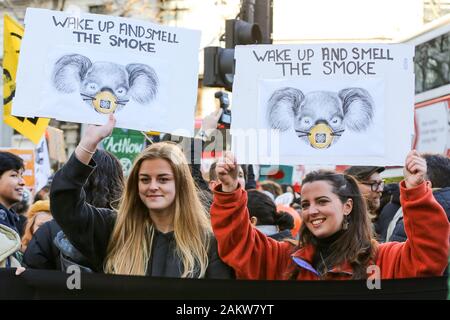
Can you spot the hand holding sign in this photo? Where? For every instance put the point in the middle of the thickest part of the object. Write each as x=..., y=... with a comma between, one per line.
x=92, y=137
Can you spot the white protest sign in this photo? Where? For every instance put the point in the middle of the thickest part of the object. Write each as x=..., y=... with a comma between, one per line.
x=326, y=104
x=81, y=67
x=42, y=169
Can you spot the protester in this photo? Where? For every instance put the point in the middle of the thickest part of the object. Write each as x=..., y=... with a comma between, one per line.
x=438, y=178
x=282, y=209
x=336, y=240
x=38, y=214
x=370, y=184
x=44, y=193
x=160, y=227
x=272, y=187
x=264, y=216
x=49, y=248
x=391, y=193
x=11, y=191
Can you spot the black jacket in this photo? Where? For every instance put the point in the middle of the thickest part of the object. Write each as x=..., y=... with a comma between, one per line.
x=89, y=228
x=41, y=252
x=442, y=197
x=385, y=217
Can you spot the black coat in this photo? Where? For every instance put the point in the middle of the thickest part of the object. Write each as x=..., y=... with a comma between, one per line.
x=41, y=252
x=385, y=217
x=89, y=228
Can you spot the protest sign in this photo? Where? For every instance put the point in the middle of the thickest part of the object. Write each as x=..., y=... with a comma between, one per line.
x=27, y=156
x=56, y=145
x=82, y=67
x=125, y=145
x=323, y=104
x=42, y=170
x=31, y=128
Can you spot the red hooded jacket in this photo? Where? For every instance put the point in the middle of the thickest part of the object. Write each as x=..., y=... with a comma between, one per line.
x=255, y=256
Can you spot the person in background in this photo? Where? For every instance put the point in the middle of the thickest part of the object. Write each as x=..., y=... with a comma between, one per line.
x=437, y=178
x=44, y=193
x=371, y=186
x=391, y=193
x=11, y=192
x=49, y=248
x=264, y=216
x=272, y=187
x=38, y=214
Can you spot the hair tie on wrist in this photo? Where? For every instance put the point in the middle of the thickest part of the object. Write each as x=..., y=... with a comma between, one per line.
x=86, y=150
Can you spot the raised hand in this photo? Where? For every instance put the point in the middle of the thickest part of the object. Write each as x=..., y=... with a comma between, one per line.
x=227, y=172
x=94, y=134
x=92, y=137
x=415, y=169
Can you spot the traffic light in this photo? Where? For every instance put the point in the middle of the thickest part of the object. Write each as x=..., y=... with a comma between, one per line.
x=241, y=32
x=219, y=62
x=218, y=67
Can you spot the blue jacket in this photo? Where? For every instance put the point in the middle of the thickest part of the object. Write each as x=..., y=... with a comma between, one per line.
x=9, y=218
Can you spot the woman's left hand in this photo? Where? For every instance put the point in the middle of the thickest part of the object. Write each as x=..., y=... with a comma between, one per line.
x=415, y=169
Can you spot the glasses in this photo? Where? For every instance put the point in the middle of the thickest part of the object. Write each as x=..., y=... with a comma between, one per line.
x=375, y=186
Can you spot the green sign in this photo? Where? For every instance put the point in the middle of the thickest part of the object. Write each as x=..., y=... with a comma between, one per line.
x=125, y=145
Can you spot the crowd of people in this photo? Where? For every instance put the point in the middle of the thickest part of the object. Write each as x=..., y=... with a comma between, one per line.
x=165, y=220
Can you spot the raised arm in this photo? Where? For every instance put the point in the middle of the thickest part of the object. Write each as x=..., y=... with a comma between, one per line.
x=87, y=227
x=251, y=254
x=425, y=252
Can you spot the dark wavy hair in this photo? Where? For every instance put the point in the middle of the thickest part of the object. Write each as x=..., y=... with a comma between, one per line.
x=105, y=184
x=264, y=209
x=356, y=245
x=9, y=161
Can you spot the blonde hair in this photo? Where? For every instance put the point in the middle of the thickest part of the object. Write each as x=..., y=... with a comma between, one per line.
x=41, y=206
x=129, y=247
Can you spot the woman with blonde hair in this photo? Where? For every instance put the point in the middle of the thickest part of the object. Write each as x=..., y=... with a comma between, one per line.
x=37, y=215
x=160, y=227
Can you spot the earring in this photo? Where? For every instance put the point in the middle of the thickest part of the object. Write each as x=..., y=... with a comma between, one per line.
x=345, y=223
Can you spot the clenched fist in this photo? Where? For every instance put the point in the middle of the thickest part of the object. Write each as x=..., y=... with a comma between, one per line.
x=415, y=169
x=227, y=172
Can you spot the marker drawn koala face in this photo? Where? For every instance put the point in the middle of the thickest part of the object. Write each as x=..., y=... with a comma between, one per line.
x=320, y=117
x=106, y=86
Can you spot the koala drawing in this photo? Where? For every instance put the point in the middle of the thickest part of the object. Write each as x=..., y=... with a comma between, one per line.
x=105, y=85
x=319, y=118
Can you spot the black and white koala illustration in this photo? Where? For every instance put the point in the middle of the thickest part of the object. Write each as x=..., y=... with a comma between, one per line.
x=106, y=86
x=320, y=117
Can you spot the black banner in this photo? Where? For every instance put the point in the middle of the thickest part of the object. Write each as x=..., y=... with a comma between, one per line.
x=40, y=284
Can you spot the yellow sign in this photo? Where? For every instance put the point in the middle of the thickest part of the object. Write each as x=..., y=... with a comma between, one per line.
x=32, y=128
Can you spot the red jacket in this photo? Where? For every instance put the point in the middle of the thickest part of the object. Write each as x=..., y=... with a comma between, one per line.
x=255, y=256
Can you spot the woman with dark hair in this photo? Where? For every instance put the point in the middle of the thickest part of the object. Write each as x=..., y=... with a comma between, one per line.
x=336, y=241
x=49, y=248
x=105, y=184
x=264, y=216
